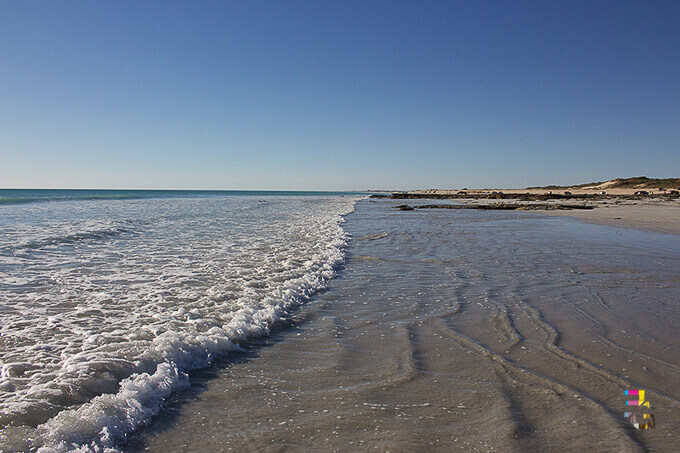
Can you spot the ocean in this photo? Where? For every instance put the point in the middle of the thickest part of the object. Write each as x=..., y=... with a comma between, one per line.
x=109, y=298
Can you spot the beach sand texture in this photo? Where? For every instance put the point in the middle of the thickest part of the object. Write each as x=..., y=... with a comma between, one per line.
x=659, y=217
x=456, y=330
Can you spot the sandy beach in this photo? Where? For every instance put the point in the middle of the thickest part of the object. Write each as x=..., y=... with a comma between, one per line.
x=593, y=190
x=659, y=217
x=657, y=210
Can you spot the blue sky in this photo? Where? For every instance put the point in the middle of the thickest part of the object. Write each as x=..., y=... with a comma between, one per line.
x=337, y=94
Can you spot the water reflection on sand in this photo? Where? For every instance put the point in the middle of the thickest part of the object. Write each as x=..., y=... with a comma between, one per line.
x=488, y=331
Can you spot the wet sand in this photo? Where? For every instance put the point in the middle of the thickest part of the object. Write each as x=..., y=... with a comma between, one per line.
x=659, y=217
x=456, y=330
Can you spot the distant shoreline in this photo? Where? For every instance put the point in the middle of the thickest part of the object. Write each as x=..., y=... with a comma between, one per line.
x=537, y=194
x=650, y=210
x=655, y=217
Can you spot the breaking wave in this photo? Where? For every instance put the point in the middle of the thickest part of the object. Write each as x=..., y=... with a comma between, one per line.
x=97, y=333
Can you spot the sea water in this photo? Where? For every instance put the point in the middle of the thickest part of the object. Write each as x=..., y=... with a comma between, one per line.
x=109, y=298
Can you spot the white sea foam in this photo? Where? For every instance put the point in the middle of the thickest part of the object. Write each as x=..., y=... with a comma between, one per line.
x=105, y=307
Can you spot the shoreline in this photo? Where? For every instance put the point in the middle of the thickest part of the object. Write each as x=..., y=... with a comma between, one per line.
x=657, y=218
x=489, y=332
x=656, y=212
x=573, y=192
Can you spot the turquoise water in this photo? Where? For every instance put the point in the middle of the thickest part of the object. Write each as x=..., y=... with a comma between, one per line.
x=21, y=196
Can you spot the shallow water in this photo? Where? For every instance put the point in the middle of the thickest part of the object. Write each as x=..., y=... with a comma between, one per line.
x=486, y=331
x=105, y=305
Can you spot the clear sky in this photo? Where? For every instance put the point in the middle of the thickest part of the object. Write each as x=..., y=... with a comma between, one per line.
x=337, y=94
